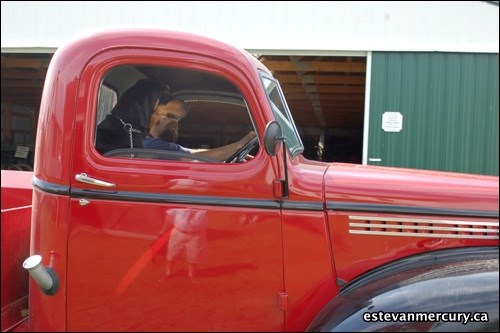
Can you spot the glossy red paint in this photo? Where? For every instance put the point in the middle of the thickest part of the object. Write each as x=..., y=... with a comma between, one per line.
x=49, y=239
x=309, y=274
x=16, y=189
x=358, y=253
x=411, y=188
x=22, y=327
x=237, y=280
x=15, y=248
x=305, y=177
x=73, y=82
x=16, y=221
x=112, y=259
x=173, y=49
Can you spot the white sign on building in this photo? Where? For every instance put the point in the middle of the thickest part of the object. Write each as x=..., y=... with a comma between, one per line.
x=392, y=121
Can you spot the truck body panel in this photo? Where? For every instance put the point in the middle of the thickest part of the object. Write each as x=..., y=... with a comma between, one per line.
x=49, y=237
x=376, y=214
x=16, y=221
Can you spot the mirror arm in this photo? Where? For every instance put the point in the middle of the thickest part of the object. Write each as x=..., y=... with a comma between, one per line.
x=272, y=135
x=285, y=166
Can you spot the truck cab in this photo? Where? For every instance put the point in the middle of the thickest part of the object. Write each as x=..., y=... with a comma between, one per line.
x=281, y=243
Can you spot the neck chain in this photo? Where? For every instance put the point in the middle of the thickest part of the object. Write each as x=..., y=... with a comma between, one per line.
x=129, y=129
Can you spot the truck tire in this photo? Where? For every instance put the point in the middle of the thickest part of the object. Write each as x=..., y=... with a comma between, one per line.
x=449, y=290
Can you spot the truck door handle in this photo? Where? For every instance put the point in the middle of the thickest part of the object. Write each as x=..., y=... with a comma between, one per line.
x=82, y=177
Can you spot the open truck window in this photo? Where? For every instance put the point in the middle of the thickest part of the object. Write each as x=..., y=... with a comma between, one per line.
x=218, y=113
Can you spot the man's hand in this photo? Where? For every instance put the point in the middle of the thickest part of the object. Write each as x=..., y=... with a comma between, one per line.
x=224, y=152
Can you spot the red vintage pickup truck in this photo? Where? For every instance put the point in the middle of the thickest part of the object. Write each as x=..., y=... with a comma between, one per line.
x=279, y=242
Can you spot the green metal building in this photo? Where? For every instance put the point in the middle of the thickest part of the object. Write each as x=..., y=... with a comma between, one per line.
x=446, y=105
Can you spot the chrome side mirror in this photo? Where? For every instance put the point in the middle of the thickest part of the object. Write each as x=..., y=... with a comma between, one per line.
x=272, y=137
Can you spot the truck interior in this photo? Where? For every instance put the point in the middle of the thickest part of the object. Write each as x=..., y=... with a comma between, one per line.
x=219, y=114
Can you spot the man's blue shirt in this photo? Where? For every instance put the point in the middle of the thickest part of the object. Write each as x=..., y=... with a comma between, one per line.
x=153, y=143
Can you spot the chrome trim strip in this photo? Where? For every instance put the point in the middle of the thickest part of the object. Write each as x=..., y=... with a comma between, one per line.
x=483, y=230
x=414, y=227
x=395, y=209
x=300, y=205
x=50, y=187
x=427, y=221
x=15, y=208
x=174, y=198
x=416, y=234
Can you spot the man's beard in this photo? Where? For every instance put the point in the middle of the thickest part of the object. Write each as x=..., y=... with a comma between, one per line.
x=169, y=134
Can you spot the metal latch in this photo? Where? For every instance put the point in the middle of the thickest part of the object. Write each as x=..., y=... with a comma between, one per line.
x=82, y=177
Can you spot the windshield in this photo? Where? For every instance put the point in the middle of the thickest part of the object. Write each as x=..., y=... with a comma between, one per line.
x=282, y=114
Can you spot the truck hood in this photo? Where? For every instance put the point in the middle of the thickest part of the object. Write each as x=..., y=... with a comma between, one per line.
x=373, y=188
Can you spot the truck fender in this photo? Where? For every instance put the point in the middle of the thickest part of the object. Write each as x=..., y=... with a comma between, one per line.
x=448, y=290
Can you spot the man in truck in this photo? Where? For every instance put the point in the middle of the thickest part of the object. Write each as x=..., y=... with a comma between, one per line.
x=164, y=132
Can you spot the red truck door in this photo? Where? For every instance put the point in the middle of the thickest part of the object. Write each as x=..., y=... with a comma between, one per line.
x=120, y=235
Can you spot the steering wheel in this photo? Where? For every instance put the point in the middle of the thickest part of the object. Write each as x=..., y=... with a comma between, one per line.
x=239, y=155
x=156, y=154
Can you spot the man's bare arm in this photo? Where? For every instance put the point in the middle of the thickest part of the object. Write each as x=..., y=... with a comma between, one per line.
x=224, y=152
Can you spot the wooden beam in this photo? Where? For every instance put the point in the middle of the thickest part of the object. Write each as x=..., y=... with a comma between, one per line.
x=327, y=110
x=323, y=89
x=323, y=79
x=38, y=74
x=10, y=62
x=317, y=66
x=340, y=97
x=329, y=102
x=33, y=83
